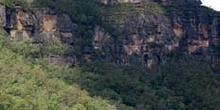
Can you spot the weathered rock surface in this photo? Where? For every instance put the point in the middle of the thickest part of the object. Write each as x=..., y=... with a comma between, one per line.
x=41, y=25
x=138, y=38
x=156, y=38
x=62, y=60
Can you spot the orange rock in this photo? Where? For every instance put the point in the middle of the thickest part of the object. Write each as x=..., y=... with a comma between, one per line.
x=49, y=23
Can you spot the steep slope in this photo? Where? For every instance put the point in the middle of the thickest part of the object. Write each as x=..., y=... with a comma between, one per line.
x=137, y=54
x=30, y=83
x=27, y=85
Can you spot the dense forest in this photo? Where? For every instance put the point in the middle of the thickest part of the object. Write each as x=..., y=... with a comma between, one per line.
x=30, y=81
x=33, y=84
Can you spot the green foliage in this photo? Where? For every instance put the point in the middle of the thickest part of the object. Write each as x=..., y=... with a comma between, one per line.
x=92, y=13
x=153, y=8
x=11, y=3
x=34, y=84
x=81, y=11
x=7, y=2
x=194, y=82
x=28, y=49
x=27, y=85
x=177, y=86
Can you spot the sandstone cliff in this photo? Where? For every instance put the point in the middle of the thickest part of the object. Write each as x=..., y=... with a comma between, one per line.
x=143, y=32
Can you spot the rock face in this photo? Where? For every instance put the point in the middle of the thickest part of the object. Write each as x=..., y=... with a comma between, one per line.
x=39, y=26
x=139, y=38
x=157, y=38
x=42, y=24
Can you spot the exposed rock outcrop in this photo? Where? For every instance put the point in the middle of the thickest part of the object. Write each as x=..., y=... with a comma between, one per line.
x=40, y=24
x=152, y=38
x=145, y=38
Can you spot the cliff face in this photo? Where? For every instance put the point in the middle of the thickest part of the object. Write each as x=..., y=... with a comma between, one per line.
x=40, y=25
x=154, y=33
x=152, y=38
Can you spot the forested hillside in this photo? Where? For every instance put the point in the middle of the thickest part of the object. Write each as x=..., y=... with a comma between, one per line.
x=35, y=84
x=109, y=55
x=29, y=84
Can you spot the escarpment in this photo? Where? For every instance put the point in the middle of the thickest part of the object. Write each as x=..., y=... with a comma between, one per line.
x=41, y=24
x=145, y=32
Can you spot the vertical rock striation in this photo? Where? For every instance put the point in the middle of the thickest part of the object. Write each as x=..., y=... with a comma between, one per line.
x=39, y=24
x=155, y=32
